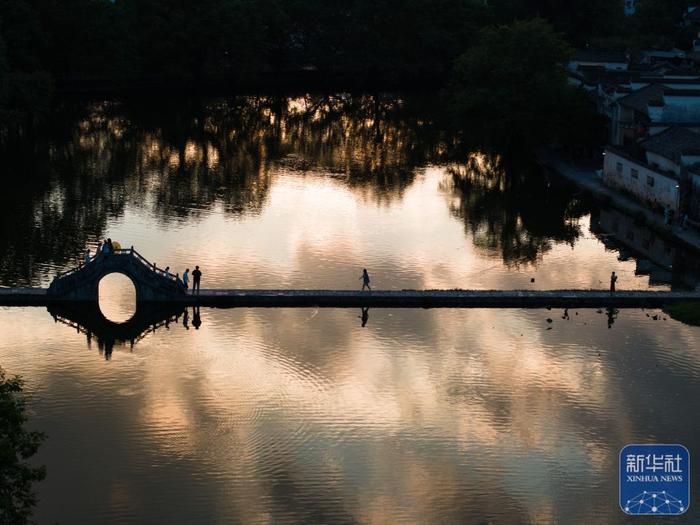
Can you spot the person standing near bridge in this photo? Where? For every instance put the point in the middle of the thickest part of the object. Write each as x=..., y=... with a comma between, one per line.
x=196, y=279
x=613, y=281
x=365, y=280
x=186, y=278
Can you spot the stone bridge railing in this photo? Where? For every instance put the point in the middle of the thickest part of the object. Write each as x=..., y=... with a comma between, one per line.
x=151, y=283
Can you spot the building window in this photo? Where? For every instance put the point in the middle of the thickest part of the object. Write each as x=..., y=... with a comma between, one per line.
x=650, y=181
x=635, y=174
x=619, y=167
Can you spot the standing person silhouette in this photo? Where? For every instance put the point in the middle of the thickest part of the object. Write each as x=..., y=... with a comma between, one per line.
x=196, y=279
x=365, y=280
x=613, y=281
x=186, y=278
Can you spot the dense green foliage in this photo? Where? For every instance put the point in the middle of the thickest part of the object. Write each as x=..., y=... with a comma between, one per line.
x=99, y=45
x=580, y=20
x=601, y=23
x=17, y=445
x=523, y=96
x=658, y=24
x=187, y=41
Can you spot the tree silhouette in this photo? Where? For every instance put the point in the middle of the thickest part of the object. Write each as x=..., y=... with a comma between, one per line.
x=17, y=446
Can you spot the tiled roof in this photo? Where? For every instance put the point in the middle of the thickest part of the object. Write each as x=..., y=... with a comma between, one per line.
x=639, y=100
x=687, y=114
x=673, y=143
x=662, y=54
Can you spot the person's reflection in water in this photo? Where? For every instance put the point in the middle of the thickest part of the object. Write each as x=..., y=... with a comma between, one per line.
x=186, y=319
x=612, y=316
x=364, y=316
x=196, y=319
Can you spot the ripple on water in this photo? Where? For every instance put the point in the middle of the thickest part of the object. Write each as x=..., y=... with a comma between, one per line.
x=420, y=413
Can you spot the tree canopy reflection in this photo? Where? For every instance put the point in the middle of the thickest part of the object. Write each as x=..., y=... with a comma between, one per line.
x=177, y=159
x=180, y=157
x=189, y=155
x=513, y=211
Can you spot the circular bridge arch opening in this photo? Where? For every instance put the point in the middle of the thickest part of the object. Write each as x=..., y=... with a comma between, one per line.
x=117, y=297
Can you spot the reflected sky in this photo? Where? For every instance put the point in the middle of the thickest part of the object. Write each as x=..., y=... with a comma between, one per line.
x=315, y=232
x=303, y=415
x=308, y=415
x=275, y=191
x=303, y=192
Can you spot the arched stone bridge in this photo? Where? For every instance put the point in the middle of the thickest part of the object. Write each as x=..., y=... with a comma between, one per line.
x=152, y=284
x=157, y=286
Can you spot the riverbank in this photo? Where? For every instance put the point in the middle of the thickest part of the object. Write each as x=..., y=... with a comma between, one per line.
x=588, y=180
x=685, y=312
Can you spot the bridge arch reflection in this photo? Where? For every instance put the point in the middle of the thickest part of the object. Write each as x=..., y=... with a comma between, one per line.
x=88, y=319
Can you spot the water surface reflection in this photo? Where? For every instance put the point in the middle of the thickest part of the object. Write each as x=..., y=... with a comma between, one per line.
x=304, y=415
x=327, y=415
x=178, y=160
x=299, y=191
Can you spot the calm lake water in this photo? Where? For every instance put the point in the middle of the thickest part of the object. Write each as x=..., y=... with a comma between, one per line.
x=333, y=415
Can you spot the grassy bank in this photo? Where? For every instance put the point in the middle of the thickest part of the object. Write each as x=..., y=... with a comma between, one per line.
x=685, y=312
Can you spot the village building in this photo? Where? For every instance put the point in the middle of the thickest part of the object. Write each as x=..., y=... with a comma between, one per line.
x=624, y=95
x=653, y=109
x=662, y=171
x=652, y=103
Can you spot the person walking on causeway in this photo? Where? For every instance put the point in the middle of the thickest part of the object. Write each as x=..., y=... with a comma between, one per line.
x=365, y=280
